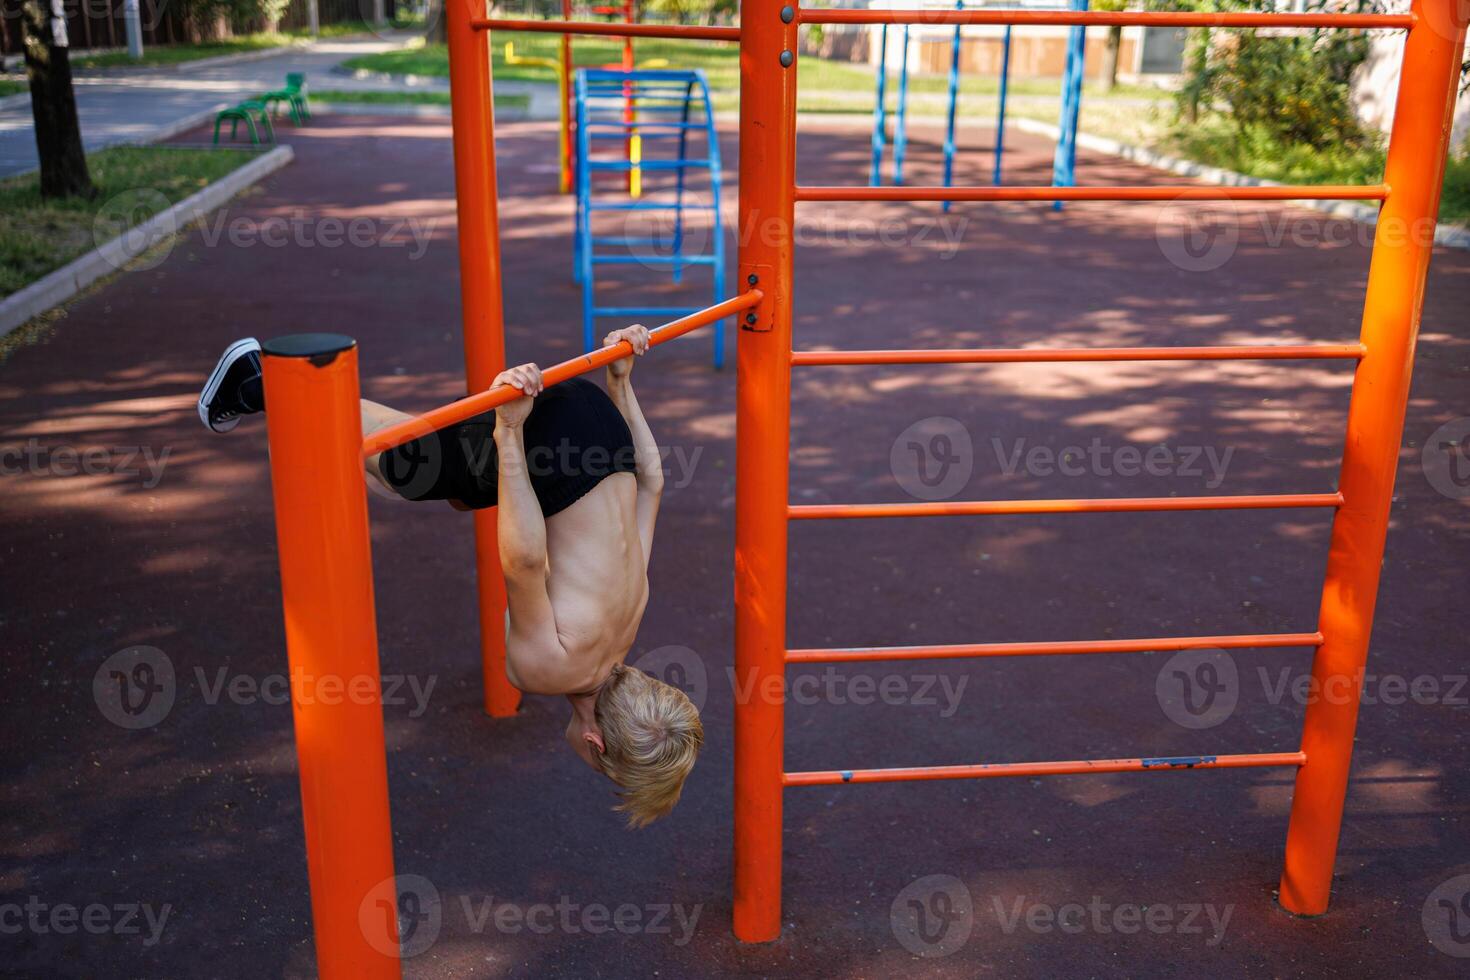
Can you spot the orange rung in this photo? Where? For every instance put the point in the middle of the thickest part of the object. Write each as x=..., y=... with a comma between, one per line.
x=446, y=415
x=1134, y=192
x=1096, y=505
x=1244, y=641
x=1110, y=18
x=677, y=32
x=1172, y=763
x=1036, y=355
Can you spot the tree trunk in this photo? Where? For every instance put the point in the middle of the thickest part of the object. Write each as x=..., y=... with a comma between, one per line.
x=54, y=106
x=438, y=27
x=1110, y=58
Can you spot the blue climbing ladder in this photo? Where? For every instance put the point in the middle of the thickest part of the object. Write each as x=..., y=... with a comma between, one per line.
x=1064, y=162
x=678, y=160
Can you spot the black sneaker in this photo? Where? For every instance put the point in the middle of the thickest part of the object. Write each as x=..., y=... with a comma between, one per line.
x=234, y=387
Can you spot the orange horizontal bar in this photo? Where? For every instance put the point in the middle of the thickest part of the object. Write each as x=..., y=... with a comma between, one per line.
x=985, y=771
x=1108, y=18
x=1041, y=192
x=1244, y=641
x=438, y=418
x=687, y=32
x=1040, y=354
x=1104, y=505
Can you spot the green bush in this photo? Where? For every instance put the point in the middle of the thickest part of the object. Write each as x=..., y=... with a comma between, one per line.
x=1291, y=89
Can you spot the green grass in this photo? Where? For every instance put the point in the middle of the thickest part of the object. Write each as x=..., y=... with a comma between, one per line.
x=719, y=61
x=175, y=54
x=10, y=87
x=1218, y=143
x=1454, y=205
x=399, y=97
x=133, y=183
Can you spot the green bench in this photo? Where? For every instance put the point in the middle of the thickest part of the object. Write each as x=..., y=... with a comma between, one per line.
x=294, y=95
x=246, y=112
x=263, y=107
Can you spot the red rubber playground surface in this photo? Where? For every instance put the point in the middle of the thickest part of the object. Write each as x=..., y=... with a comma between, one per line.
x=169, y=842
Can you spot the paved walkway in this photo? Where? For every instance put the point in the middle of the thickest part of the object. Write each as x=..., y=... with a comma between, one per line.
x=129, y=105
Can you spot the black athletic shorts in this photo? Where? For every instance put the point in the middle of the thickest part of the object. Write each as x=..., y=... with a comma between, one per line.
x=575, y=437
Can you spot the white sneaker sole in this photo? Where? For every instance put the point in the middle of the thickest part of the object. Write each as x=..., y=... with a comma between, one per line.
x=217, y=378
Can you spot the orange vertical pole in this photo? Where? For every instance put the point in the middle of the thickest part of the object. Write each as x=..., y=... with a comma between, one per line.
x=763, y=408
x=326, y=563
x=479, y=287
x=564, y=90
x=1401, y=250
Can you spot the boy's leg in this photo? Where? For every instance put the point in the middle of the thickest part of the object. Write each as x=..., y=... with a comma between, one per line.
x=375, y=417
x=234, y=389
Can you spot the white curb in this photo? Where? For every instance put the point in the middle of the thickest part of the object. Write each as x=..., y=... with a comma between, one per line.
x=61, y=285
x=1451, y=236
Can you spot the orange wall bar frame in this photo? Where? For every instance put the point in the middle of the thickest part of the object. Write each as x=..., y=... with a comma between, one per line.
x=315, y=435
x=471, y=100
x=763, y=407
x=1375, y=425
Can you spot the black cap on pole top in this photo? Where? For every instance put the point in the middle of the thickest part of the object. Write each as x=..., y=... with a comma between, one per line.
x=321, y=348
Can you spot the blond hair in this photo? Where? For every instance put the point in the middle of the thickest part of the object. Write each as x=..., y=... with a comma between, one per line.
x=652, y=734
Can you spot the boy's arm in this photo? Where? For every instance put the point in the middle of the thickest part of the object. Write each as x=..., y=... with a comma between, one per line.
x=645, y=447
x=536, y=661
